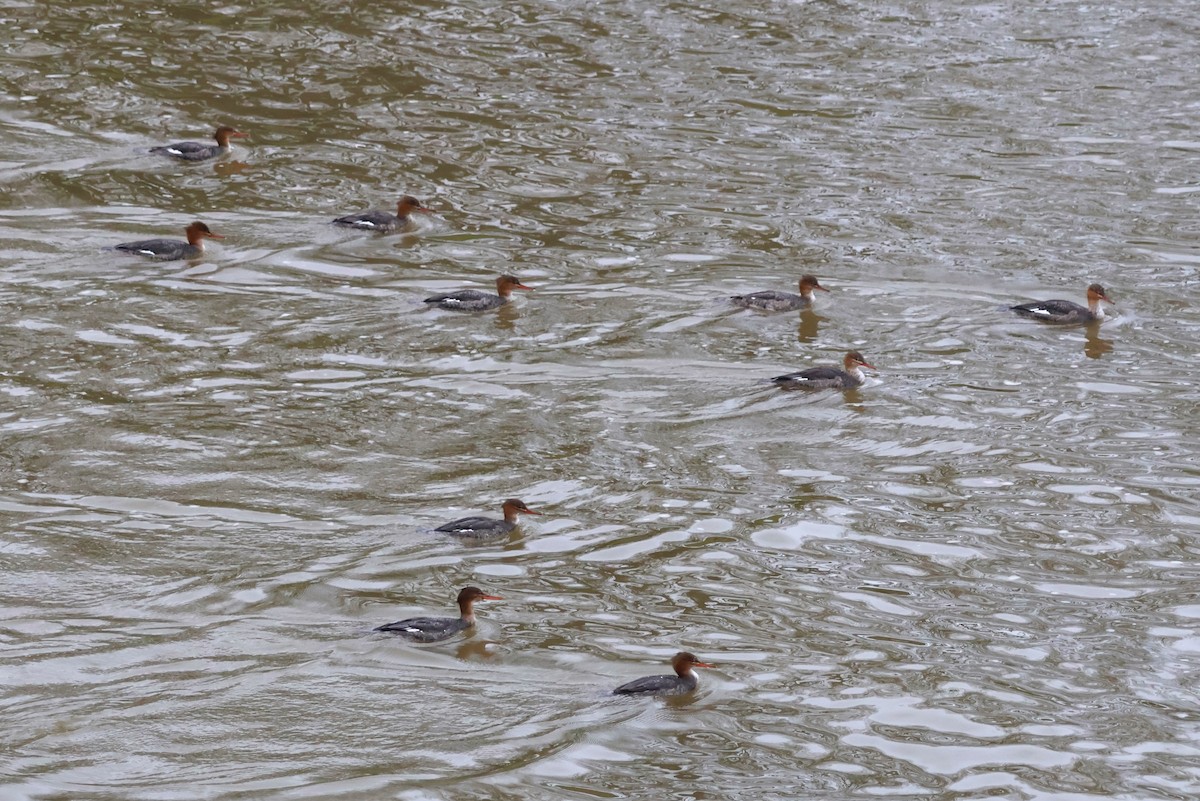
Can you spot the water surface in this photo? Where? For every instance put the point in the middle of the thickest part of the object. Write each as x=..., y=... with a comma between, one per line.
x=971, y=578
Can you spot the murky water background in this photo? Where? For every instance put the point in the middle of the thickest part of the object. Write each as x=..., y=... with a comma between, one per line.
x=972, y=578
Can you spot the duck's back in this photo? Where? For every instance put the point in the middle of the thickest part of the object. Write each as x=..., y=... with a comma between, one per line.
x=370, y=220
x=770, y=300
x=467, y=300
x=477, y=527
x=187, y=151
x=1054, y=311
x=425, y=629
x=816, y=378
x=165, y=249
x=657, y=685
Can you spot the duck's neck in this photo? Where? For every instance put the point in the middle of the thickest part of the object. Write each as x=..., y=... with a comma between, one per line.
x=467, y=613
x=688, y=677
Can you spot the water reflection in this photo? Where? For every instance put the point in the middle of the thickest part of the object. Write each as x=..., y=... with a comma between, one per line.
x=1093, y=346
x=854, y=398
x=507, y=316
x=477, y=649
x=677, y=701
x=227, y=168
x=810, y=323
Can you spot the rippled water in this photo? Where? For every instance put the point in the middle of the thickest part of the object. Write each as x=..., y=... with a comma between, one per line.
x=971, y=578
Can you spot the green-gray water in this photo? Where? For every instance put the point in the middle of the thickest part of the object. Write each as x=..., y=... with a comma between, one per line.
x=972, y=578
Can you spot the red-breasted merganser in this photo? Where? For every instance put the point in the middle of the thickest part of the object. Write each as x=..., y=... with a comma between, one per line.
x=473, y=527
x=382, y=221
x=195, y=151
x=1064, y=312
x=172, y=249
x=684, y=680
x=474, y=300
x=773, y=300
x=827, y=377
x=436, y=629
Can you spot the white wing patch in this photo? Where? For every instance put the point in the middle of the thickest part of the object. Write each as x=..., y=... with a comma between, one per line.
x=148, y=252
x=455, y=300
x=174, y=152
x=364, y=223
x=412, y=630
x=1040, y=310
